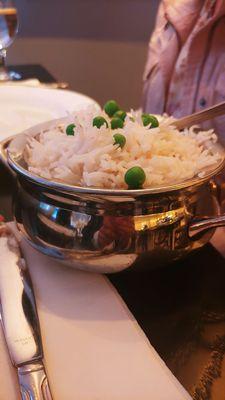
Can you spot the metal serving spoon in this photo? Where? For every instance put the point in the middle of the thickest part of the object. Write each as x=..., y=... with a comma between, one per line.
x=201, y=116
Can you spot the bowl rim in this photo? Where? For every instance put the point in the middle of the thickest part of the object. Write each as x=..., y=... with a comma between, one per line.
x=8, y=159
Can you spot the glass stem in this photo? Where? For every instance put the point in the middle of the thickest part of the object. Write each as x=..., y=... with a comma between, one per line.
x=2, y=59
x=3, y=70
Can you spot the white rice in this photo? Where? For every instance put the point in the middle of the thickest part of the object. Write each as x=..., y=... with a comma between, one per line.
x=90, y=158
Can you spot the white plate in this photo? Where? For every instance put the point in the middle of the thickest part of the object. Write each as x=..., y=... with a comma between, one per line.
x=22, y=107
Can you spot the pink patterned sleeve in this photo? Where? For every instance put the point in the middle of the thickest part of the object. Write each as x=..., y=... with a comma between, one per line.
x=185, y=66
x=162, y=53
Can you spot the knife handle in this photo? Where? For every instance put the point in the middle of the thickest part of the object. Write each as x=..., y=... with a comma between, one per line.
x=33, y=382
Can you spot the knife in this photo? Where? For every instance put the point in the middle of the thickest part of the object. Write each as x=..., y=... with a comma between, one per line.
x=20, y=320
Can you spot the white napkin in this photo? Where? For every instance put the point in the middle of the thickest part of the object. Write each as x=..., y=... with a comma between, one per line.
x=26, y=82
x=93, y=346
x=218, y=241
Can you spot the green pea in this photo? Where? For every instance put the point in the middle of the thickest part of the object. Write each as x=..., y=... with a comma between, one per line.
x=99, y=121
x=135, y=177
x=119, y=139
x=120, y=114
x=116, y=123
x=111, y=107
x=150, y=119
x=70, y=129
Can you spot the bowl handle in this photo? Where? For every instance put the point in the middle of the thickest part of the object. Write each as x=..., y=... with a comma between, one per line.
x=200, y=225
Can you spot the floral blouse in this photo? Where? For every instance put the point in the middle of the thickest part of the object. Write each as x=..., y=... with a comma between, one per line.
x=185, y=69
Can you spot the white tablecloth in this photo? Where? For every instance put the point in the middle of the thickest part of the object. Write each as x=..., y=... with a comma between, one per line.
x=94, y=349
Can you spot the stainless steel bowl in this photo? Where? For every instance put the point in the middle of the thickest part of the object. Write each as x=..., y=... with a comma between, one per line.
x=111, y=230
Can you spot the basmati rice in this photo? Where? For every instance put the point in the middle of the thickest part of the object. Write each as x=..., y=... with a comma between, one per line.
x=90, y=157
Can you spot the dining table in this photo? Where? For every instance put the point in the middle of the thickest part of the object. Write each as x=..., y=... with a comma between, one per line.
x=180, y=307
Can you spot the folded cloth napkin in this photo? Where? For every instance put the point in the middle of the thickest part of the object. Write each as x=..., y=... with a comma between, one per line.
x=218, y=241
x=93, y=346
x=33, y=82
x=26, y=82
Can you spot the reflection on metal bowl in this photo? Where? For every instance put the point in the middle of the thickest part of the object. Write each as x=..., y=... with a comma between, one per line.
x=94, y=233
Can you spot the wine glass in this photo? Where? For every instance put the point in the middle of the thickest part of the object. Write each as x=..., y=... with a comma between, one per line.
x=8, y=31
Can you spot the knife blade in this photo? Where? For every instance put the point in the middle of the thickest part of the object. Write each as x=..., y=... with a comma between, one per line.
x=19, y=319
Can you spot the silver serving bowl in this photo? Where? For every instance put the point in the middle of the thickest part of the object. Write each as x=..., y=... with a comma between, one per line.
x=104, y=230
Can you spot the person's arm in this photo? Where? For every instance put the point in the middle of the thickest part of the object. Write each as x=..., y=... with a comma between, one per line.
x=175, y=23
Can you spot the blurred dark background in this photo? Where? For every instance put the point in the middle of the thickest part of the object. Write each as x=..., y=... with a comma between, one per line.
x=98, y=46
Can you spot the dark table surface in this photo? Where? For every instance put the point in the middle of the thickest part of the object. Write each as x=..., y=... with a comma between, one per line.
x=180, y=307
